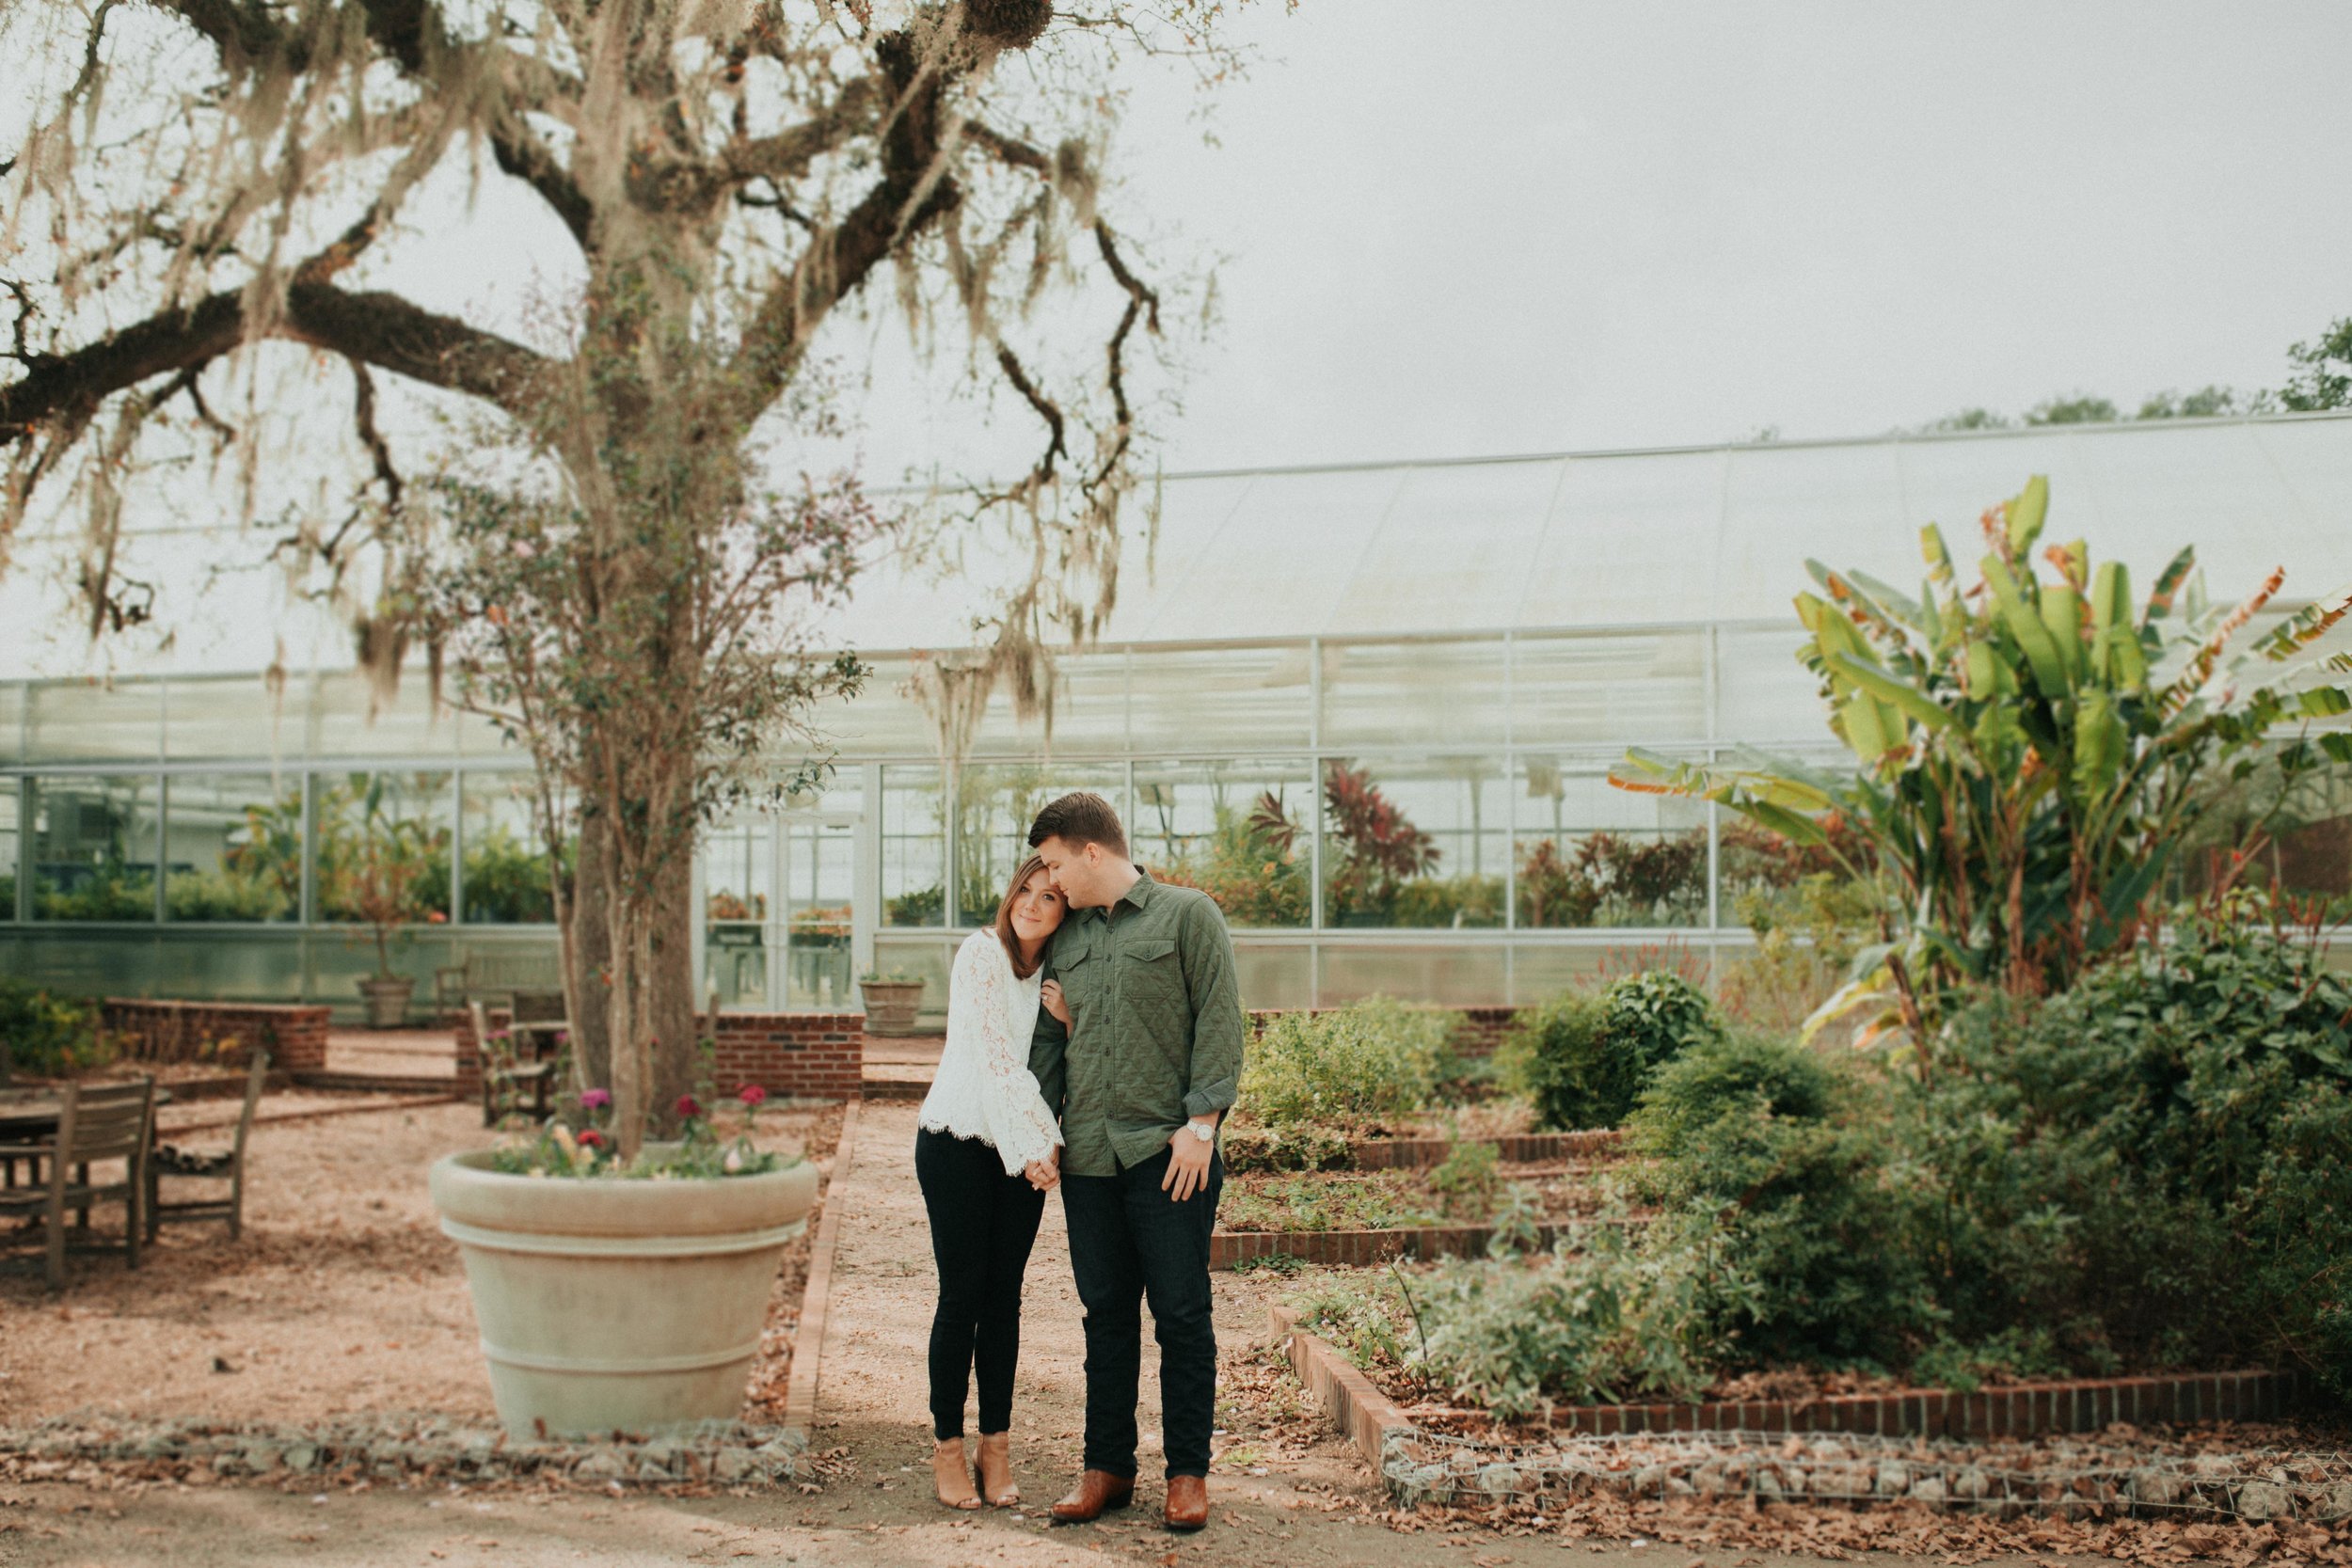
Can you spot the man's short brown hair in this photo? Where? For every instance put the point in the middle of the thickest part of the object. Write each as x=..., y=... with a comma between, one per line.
x=1079, y=820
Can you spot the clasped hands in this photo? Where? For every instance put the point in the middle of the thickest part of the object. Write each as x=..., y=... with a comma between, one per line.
x=1045, y=1175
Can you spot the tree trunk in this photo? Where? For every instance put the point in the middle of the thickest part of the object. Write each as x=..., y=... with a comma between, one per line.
x=677, y=1062
x=592, y=953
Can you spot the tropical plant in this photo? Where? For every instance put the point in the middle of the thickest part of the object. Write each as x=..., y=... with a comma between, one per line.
x=377, y=870
x=1377, y=847
x=1250, y=865
x=2031, y=750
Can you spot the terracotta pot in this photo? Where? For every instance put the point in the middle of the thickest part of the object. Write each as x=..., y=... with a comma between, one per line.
x=611, y=1305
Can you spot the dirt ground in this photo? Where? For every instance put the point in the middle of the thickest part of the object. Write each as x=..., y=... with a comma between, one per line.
x=342, y=1297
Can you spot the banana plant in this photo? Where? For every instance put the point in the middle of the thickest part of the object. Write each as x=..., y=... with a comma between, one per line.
x=2030, y=748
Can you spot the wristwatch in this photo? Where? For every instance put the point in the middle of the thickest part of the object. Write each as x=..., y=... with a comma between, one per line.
x=1204, y=1131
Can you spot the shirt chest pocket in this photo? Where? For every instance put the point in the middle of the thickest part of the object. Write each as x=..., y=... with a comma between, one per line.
x=1152, y=975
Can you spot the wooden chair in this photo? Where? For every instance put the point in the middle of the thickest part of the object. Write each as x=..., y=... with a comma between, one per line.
x=96, y=1124
x=207, y=1164
x=505, y=1080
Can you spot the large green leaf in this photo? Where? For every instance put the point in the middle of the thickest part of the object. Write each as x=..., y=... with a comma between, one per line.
x=2025, y=515
x=2063, y=615
x=2304, y=627
x=2169, y=582
x=2019, y=618
x=1878, y=684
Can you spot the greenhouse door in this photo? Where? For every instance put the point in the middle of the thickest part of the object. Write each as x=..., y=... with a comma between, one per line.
x=819, y=910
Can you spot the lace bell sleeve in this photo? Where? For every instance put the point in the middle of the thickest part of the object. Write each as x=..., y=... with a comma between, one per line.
x=1014, y=1110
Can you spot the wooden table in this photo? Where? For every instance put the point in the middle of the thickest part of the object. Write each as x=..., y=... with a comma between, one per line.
x=30, y=1118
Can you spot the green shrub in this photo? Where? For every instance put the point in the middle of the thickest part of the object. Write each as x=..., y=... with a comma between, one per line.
x=1583, y=1057
x=1780, y=1170
x=1374, y=1060
x=48, y=1036
x=1465, y=1181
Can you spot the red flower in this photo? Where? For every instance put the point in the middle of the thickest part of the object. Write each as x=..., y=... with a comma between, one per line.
x=689, y=1107
x=591, y=1138
x=752, y=1095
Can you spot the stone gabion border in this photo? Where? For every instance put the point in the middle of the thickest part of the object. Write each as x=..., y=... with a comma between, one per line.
x=406, y=1454
x=2047, y=1478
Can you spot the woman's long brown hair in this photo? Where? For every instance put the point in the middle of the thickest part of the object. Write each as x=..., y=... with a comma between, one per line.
x=1029, y=867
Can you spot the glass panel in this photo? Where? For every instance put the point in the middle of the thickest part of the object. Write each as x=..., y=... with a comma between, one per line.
x=997, y=802
x=349, y=719
x=248, y=964
x=739, y=890
x=1639, y=687
x=1272, y=976
x=1090, y=711
x=383, y=853
x=232, y=848
x=11, y=841
x=1590, y=854
x=506, y=859
x=1419, y=843
x=1238, y=831
x=1766, y=697
x=1464, y=976
x=1541, y=971
x=94, y=849
x=339, y=963
x=237, y=716
x=1412, y=693
x=913, y=848
x=11, y=721
x=821, y=896
x=1221, y=699
x=90, y=721
x=883, y=720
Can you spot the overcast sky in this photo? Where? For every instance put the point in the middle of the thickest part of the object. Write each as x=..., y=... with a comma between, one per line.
x=1499, y=226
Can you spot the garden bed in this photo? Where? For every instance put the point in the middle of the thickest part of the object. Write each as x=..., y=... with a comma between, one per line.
x=1359, y=1219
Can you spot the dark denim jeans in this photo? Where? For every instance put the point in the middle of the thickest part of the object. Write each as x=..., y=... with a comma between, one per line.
x=1128, y=1239
x=982, y=1224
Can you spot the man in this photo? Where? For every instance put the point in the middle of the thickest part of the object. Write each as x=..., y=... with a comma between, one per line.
x=1141, y=1077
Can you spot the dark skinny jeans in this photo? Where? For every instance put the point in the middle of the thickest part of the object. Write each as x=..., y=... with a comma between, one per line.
x=983, y=1223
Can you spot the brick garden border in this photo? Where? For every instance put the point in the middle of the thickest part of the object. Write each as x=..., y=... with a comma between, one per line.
x=808, y=1339
x=1517, y=1147
x=1368, y=1416
x=164, y=1031
x=1364, y=1248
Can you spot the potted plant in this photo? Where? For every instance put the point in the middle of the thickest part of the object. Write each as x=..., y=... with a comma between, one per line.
x=572, y=1251
x=892, y=999
x=373, y=877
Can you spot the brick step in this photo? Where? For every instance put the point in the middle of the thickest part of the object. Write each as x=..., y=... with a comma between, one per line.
x=371, y=1083
x=910, y=1090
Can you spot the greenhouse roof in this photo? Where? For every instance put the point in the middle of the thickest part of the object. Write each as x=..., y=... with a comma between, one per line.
x=1683, y=535
x=1602, y=539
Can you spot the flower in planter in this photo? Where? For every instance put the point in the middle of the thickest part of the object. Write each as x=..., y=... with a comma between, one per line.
x=595, y=1099
x=688, y=1108
x=752, y=1095
x=590, y=1137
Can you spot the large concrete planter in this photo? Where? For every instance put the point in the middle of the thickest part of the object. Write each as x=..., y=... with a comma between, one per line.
x=891, y=1006
x=618, y=1306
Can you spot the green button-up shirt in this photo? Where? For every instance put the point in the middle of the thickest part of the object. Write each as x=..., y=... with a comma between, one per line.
x=1156, y=1026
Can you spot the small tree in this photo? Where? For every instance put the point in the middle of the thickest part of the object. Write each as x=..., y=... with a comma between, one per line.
x=2031, y=749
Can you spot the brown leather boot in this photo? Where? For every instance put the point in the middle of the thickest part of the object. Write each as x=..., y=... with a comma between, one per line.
x=1187, y=1502
x=1096, y=1490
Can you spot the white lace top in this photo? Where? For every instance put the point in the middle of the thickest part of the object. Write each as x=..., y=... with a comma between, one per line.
x=985, y=1090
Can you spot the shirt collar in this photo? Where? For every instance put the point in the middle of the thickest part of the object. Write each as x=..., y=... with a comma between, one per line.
x=1138, y=895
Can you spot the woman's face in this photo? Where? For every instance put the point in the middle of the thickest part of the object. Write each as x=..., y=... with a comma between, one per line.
x=1037, y=909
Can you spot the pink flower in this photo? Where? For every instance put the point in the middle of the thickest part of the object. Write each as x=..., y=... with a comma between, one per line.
x=689, y=1107
x=596, y=1100
x=752, y=1095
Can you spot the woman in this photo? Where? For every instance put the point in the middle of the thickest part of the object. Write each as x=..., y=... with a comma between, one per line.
x=986, y=1154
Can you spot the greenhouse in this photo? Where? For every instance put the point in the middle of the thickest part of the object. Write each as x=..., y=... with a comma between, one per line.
x=1371, y=709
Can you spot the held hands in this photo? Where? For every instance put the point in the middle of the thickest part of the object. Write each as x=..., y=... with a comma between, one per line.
x=1050, y=993
x=1188, y=1165
x=1046, y=1175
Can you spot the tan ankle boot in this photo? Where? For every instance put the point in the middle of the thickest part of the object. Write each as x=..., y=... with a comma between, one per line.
x=951, y=1476
x=996, y=1470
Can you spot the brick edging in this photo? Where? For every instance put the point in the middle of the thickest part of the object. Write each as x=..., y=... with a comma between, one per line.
x=808, y=1339
x=1364, y=1248
x=1368, y=1416
x=1519, y=1147
x=2021, y=1410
